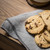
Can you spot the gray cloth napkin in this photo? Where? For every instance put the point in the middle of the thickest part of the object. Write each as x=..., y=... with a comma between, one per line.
x=15, y=26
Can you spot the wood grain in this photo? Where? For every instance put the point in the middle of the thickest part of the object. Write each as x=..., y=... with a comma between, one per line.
x=10, y=8
x=7, y=44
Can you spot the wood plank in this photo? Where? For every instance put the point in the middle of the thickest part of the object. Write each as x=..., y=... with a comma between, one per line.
x=9, y=44
x=5, y=34
x=5, y=47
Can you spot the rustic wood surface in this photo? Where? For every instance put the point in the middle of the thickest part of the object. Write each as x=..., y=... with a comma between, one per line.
x=10, y=8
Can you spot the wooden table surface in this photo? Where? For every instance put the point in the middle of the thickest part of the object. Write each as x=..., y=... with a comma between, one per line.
x=10, y=8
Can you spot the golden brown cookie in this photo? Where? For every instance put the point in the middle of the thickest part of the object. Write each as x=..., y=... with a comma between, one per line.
x=34, y=24
x=41, y=42
x=46, y=35
x=46, y=18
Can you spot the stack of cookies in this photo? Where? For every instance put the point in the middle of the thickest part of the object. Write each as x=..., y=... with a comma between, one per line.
x=40, y=26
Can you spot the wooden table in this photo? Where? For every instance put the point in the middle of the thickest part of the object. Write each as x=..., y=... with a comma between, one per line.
x=10, y=8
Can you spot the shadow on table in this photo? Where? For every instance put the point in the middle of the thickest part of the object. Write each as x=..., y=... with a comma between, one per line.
x=46, y=7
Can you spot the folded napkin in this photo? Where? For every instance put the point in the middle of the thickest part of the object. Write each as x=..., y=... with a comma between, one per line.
x=15, y=26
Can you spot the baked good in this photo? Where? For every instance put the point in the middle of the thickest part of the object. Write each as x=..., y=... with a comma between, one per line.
x=46, y=35
x=34, y=24
x=46, y=18
x=40, y=25
x=41, y=42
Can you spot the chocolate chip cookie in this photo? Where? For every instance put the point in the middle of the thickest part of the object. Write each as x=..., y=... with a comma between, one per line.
x=41, y=42
x=46, y=17
x=46, y=35
x=34, y=24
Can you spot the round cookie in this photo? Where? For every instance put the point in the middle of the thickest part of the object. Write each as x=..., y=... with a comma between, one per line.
x=41, y=42
x=46, y=17
x=34, y=24
x=46, y=35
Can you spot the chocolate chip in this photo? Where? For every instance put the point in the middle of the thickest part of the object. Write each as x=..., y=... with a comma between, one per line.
x=26, y=28
x=43, y=40
x=45, y=34
x=36, y=24
x=41, y=16
x=33, y=20
x=47, y=18
x=27, y=22
x=40, y=44
x=30, y=27
x=39, y=36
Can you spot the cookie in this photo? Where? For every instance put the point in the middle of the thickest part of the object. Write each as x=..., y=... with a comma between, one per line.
x=46, y=35
x=41, y=42
x=46, y=17
x=34, y=24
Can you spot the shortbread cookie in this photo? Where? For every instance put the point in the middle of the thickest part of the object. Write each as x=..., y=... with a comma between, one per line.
x=34, y=24
x=46, y=17
x=41, y=42
x=46, y=35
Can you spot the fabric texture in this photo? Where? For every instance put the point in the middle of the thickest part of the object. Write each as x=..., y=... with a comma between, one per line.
x=15, y=27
